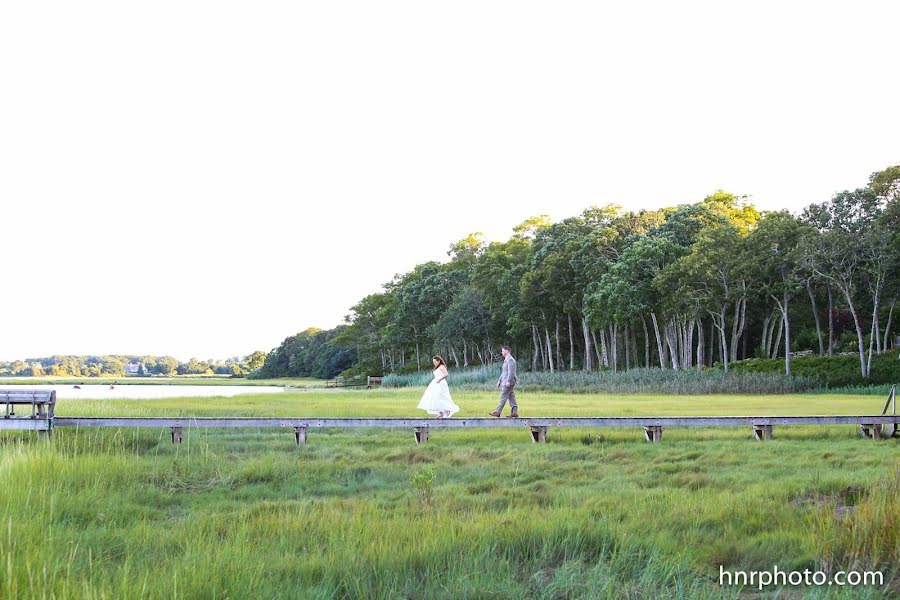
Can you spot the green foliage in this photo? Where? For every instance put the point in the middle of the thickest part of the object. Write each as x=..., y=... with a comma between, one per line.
x=310, y=353
x=423, y=482
x=830, y=371
x=114, y=366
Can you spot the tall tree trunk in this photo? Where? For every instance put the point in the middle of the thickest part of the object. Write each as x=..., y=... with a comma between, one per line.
x=815, y=310
x=559, y=358
x=876, y=320
x=542, y=349
x=699, y=345
x=549, y=349
x=646, y=343
x=672, y=344
x=689, y=345
x=537, y=346
x=719, y=322
x=777, y=339
x=767, y=351
x=613, y=348
x=600, y=349
x=859, y=334
x=724, y=340
x=878, y=334
x=830, y=323
x=887, y=327
x=659, y=344
x=418, y=361
x=764, y=343
x=738, y=325
x=587, y=342
x=787, y=335
x=634, y=346
x=571, y=345
x=783, y=307
x=735, y=334
x=627, y=350
x=873, y=335
x=465, y=354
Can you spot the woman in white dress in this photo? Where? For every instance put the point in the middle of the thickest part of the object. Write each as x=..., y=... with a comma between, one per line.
x=436, y=400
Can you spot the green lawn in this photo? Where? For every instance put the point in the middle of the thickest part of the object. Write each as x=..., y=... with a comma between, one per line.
x=594, y=513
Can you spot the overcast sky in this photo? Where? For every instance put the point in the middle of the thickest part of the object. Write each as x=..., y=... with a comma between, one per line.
x=205, y=178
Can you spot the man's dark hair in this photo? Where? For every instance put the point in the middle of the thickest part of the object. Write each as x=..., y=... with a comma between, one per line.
x=507, y=348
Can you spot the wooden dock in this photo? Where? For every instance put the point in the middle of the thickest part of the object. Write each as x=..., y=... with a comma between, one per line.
x=40, y=417
x=872, y=426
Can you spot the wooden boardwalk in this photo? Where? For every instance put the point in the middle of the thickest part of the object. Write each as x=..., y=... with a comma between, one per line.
x=874, y=426
x=40, y=417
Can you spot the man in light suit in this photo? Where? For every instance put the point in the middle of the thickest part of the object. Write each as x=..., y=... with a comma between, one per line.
x=507, y=385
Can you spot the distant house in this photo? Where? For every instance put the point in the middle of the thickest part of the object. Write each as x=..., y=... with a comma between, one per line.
x=134, y=369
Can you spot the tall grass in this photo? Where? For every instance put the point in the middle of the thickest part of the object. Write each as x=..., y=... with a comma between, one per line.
x=248, y=514
x=867, y=535
x=635, y=381
x=864, y=390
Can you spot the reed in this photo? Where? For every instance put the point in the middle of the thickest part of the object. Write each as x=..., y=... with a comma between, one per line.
x=234, y=514
x=635, y=381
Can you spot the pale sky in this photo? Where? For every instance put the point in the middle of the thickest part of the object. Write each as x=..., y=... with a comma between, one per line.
x=206, y=178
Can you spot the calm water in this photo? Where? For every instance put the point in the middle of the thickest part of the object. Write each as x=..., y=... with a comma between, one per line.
x=93, y=392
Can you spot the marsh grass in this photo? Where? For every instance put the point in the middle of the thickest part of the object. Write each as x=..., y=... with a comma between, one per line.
x=635, y=381
x=235, y=514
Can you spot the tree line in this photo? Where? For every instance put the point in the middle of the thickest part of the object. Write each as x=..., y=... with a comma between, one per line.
x=114, y=366
x=310, y=353
x=685, y=287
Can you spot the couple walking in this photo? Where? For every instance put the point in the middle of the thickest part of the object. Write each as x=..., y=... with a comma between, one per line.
x=437, y=401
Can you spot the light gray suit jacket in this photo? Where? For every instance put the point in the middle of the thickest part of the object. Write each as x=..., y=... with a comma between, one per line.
x=508, y=377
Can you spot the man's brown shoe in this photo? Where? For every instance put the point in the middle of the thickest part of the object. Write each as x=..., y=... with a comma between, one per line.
x=494, y=414
x=514, y=415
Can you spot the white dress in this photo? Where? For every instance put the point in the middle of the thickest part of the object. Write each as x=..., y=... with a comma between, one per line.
x=436, y=398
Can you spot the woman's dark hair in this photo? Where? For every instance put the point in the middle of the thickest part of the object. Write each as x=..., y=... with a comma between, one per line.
x=439, y=359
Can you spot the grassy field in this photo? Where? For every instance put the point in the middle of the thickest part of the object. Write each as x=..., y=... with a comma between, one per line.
x=178, y=380
x=471, y=514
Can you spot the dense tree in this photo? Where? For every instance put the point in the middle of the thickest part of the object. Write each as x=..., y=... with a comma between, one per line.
x=775, y=256
x=694, y=285
x=690, y=286
x=310, y=353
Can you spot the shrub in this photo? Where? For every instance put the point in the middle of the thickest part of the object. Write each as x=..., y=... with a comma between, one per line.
x=423, y=481
x=829, y=371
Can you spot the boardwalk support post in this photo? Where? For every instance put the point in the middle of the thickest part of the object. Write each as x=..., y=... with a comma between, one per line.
x=539, y=434
x=762, y=432
x=300, y=435
x=889, y=430
x=42, y=414
x=870, y=430
x=176, y=435
x=653, y=433
x=421, y=434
